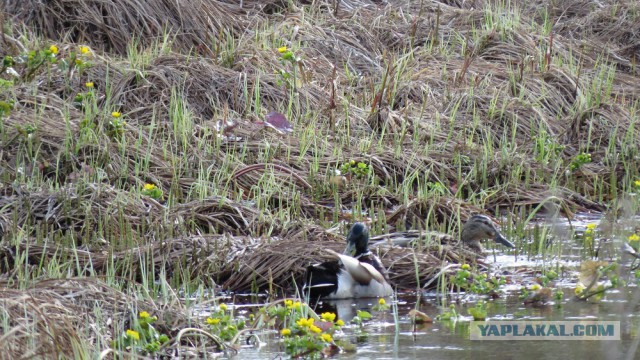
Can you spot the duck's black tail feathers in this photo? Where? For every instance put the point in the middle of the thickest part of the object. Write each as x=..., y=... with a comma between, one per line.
x=321, y=280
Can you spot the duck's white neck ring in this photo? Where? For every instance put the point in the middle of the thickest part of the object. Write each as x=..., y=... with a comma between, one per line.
x=363, y=254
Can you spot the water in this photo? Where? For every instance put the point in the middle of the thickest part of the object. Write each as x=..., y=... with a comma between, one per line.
x=450, y=339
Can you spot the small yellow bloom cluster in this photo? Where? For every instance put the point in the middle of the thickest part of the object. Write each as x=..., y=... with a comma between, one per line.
x=213, y=321
x=326, y=338
x=535, y=287
x=340, y=322
x=144, y=315
x=116, y=114
x=328, y=316
x=634, y=237
x=315, y=329
x=590, y=229
x=382, y=302
x=149, y=187
x=85, y=50
x=465, y=267
x=637, y=183
x=579, y=289
x=305, y=322
x=308, y=323
x=89, y=84
x=282, y=49
x=223, y=307
x=132, y=334
x=285, y=332
x=53, y=49
x=290, y=304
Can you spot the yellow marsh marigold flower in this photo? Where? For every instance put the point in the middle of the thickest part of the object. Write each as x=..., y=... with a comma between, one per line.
x=116, y=114
x=382, y=302
x=89, y=84
x=340, y=322
x=296, y=305
x=315, y=329
x=579, y=289
x=282, y=49
x=328, y=316
x=213, y=321
x=326, y=338
x=305, y=322
x=465, y=267
x=634, y=237
x=535, y=287
x=223, y=307
x=285, y=332
x=53, y=49
x=592, y=226
x=84, y=50
x=149, y=187
x=288, y=303
x=637, y=183
x=144, y=315
x=132, y=334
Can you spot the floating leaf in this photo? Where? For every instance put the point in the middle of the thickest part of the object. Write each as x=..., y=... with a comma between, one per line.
x=278, y=122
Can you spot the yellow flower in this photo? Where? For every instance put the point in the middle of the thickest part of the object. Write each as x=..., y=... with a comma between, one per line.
x=285, y=332
x=326, y=338
x=213, y=321
x=132, y=334
x=579, y=289
x=328, y=316
x=144, y=315
x=634, y=237
x=382, y=302
x=465, y=267
x=84, y=50
x=149, y=187
x=315, y=329
x=535, y=287
x=223, y=307
x=305, y=322
x=282, y=49
x=53, y=49
x=296, y=305
x=288, y=303
x=89, y=84
x=116, y=114
x=340, y=322
x=637, y=183
x=592, y=226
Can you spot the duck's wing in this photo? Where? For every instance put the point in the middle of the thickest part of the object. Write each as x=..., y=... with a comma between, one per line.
x=361, y=272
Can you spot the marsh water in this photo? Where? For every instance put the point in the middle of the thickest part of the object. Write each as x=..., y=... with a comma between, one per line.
x=451, y=340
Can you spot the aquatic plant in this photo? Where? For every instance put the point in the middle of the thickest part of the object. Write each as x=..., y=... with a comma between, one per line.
x=152, y=190
x=224, y=324
x=142, y=337
x=479, y=312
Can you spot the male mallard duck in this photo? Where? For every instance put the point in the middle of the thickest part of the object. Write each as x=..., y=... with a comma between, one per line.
x=476, y=229
x=356, y=273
